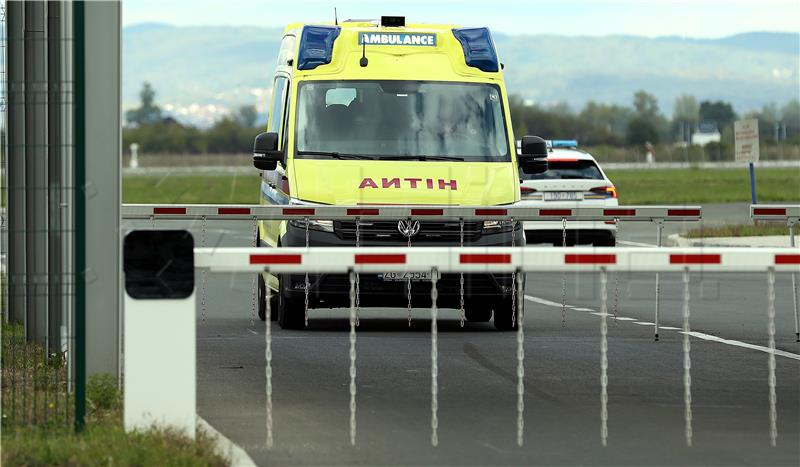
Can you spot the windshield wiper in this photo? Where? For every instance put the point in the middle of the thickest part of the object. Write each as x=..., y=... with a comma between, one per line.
x=420, y=158
x=333, y=154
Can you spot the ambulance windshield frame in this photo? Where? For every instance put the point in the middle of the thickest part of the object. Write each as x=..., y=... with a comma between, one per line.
x=394, y=119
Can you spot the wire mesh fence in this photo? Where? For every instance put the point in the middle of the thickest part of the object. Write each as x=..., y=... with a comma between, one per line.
x=37, y=275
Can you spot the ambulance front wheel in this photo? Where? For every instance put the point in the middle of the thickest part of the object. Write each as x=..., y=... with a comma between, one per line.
x=291, y=310
x=504, y=315
x=477, y=311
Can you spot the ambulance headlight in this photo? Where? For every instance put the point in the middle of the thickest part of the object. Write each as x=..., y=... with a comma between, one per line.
x=497, y=226
x=313, y=224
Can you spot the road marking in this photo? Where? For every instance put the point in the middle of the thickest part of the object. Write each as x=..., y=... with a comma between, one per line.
x=582, y=309
x=226, y=447
x=252, y=331
x=629, y=243
x=709, y=337
x=542, y=301
x=698, y=335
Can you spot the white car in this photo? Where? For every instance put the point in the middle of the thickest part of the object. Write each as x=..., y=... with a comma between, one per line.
x=574, y=179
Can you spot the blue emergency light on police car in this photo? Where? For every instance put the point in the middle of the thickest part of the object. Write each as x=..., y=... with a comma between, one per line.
x=562, y=143
x=316, y=46
x=478, y=48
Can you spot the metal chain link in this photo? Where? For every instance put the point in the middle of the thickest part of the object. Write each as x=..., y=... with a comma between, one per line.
x=358, y=276
x=203, y=277
x=616, y=274
x=408, y=290
x=434, y=361
x=687, y=361
x=353, y=324
x=603, y=357
x=563, y=275
x=253, y=292
x=773, y=413
x=520, y=364
x=268, y=355
x=513, y=280
x=461, y=275
x=307, y=284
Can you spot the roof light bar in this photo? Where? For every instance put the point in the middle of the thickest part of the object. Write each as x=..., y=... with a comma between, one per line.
x=562, y=143
x=478, y=48
x=316, y=46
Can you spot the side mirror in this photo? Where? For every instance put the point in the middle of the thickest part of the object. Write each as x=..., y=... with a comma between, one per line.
x=265, y=151
x=533, y=155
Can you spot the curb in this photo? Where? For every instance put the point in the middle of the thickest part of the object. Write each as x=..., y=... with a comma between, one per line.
x=226, y=447
x=755, y=242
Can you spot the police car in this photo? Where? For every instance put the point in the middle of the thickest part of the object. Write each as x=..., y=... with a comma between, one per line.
x=574, y=179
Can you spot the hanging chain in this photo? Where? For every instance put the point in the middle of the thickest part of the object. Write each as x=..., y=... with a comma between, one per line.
x=203, y=278
x=563, y=275
x=358, y=276
x=513, y=280
x=687, y=362
x=616, y=274
x=461, y=275
x=434, y=361
x=603, y=357
x=353, y=324
x=307, y=284
x=773, y=414
x=408, y=291
x=253, y=292
x=520, y=364
x=268, y=354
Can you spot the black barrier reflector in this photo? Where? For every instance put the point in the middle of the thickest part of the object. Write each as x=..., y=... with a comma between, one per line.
x=158, y=264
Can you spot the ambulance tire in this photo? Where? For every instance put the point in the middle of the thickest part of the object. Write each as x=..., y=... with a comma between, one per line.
x=503, y=314
x=291, y=311
x=262, y=301
x=477, y=312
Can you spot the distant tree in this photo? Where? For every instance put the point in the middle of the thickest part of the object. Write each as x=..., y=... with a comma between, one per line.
x=148, y=111
x=720, y=112
x=686, y=109
x=646, y=105
x=247, y=115
x=642, y=130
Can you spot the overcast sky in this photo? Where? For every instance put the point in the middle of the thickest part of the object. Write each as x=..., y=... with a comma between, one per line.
x=707, y=19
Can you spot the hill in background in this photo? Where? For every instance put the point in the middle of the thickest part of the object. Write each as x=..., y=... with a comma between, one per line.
x=202, y=73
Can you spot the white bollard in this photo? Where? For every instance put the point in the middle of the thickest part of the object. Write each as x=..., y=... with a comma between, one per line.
x=159, y=358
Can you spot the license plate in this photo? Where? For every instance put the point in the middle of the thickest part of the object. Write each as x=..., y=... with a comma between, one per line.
x=404, y=276
x=563, y=195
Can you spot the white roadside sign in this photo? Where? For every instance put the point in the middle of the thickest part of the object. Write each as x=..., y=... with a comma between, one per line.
x=746, y=140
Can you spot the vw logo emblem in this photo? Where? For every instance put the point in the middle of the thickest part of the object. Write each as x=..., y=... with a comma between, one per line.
x=408, y=228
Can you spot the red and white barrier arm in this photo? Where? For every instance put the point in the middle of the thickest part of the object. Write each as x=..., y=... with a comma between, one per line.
x=775, y=212
x=495, y=259
x=454, y=213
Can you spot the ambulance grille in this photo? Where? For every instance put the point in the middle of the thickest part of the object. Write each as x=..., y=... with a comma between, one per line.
x=429, y=231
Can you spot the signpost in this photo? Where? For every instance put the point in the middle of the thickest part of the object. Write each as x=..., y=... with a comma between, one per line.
x=746, y=143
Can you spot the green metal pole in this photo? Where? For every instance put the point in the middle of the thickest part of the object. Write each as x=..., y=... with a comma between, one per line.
x=80, y=211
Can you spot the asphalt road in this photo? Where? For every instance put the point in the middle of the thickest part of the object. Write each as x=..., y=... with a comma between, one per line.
x=477, y=376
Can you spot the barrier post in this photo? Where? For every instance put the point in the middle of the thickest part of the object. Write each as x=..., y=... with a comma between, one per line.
x=160, y=361
x=792, y=222
x=659, y=233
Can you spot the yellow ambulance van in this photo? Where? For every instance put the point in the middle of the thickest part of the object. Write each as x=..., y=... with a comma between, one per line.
x=380, y=112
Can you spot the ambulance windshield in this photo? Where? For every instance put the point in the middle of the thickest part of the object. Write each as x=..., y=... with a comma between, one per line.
x=399, y=119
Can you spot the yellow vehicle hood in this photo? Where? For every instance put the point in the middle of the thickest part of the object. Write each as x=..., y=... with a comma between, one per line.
x=351, y=182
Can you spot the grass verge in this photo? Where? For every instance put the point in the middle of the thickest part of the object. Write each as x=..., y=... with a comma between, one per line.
x=701, y=186
x=37, y=418
x=739, y=230
x=690, y=186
